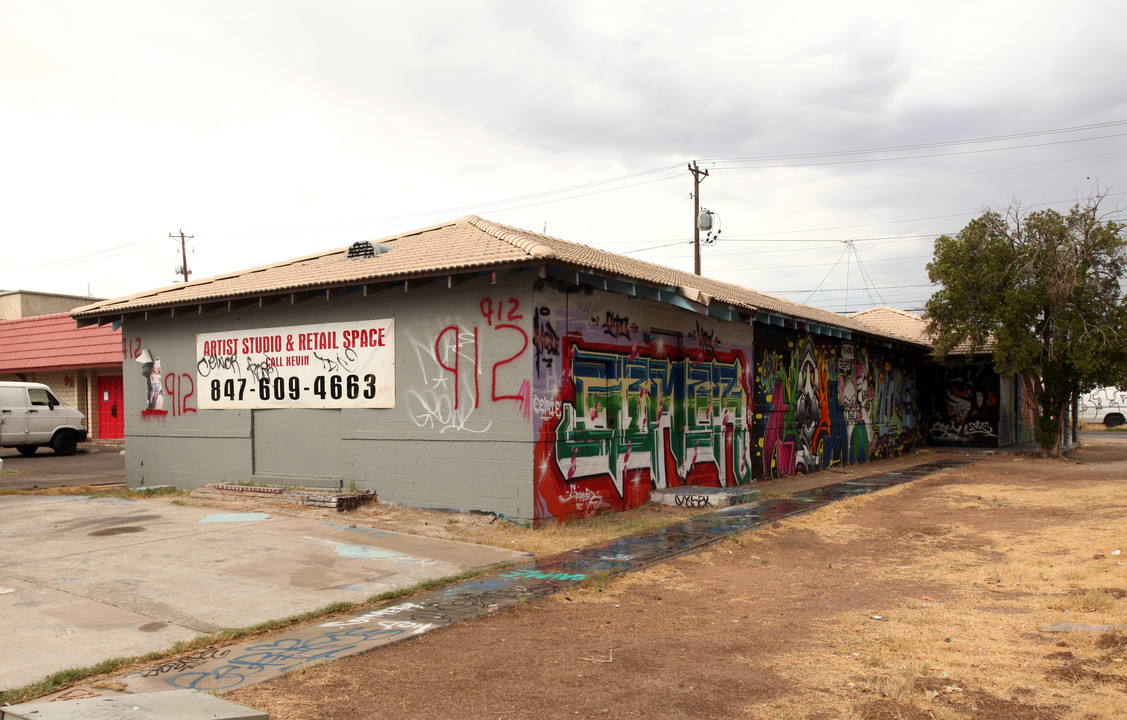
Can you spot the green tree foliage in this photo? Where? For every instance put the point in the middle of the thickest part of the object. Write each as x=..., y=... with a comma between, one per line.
x=1044, y=293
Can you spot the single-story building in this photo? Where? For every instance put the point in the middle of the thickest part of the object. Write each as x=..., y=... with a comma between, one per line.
x=478, y=366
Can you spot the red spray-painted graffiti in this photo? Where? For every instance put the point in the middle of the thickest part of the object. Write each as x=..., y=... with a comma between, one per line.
x=160, y=384
x=131, y=348
x=444, y=350
x=180, y=388
x=452, y=366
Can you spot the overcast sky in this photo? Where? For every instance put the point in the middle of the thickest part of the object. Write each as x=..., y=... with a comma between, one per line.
x=274, y=129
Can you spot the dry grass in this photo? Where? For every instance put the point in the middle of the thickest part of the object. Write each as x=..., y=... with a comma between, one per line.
x=947, y=582
x=999, y=587
x=476, y=528
x=557, y=538
x=666, y=575
x=92, y=490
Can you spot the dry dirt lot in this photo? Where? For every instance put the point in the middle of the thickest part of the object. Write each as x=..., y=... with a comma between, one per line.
x=922, y=601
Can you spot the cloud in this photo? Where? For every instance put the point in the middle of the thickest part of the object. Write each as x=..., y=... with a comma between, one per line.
x=273, y=129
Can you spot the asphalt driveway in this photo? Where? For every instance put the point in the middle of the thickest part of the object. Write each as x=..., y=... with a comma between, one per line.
x=91, y=464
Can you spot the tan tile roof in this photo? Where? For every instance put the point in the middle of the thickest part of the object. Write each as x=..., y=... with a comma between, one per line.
x=895, y=322
x=466, y=245
x=905, y=325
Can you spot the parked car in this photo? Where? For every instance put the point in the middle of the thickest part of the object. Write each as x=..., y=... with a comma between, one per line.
x=1107, y=405
x=32, y=415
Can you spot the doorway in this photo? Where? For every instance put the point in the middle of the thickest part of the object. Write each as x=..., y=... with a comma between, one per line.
x=111, y=408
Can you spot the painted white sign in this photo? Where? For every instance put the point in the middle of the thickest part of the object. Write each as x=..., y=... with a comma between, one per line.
x=330, y=365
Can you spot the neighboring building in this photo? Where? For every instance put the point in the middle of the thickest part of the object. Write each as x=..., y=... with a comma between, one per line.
x=82, y=365
x=478, y=366
x=16, y=304
x=968, y=403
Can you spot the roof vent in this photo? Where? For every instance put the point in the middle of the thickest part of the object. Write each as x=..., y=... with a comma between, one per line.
x=364, y=249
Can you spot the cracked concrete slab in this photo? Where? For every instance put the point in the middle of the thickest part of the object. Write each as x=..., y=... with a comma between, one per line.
x=84, y=579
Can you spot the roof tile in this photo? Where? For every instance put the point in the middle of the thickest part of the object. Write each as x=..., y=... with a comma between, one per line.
x=51, y=342
x=905, y=325
x=465, y=245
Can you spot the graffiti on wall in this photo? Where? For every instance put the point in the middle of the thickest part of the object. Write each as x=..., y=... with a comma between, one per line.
x=545, y=344
x=160, y=385
x=620, y=411
x=965, y=407
x=453, y=371
x=821, y=403
x=154, y=388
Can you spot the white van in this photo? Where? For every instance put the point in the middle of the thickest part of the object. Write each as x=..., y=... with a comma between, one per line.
x=32, y=415
x=1107, y=405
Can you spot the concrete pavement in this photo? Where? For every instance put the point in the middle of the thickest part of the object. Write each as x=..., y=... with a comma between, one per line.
x=175, y=705
x=84, y=579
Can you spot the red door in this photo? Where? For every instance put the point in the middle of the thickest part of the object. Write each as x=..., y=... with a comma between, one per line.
x=111, y=407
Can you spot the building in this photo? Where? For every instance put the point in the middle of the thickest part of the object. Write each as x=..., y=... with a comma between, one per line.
x=16, y=304
x=478, y=366
x=82, y=365
x=969, y=404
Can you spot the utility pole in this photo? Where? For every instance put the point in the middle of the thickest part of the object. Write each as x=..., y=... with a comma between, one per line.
x=183, y=269
x=698, y=175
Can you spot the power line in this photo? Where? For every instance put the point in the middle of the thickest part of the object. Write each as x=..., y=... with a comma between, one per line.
x=490, y=204
x=827, y=277
x=866, y=278
x=807, y=265
x=666, y=172
x=74, y=259
x=887, y=238
x=846, y=289
x=548, y=196
x=772, y=236
x=917, y=157
x=655, y=247
x=940, y=144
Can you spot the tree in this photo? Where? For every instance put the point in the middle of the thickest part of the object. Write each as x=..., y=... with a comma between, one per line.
x=1044, y=292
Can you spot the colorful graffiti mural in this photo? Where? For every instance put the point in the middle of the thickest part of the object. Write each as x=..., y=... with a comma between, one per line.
x=965, y=406
x=821, y=404
x=621, y=410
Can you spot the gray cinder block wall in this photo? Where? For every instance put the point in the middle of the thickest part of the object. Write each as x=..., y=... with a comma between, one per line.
x=457, y=437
